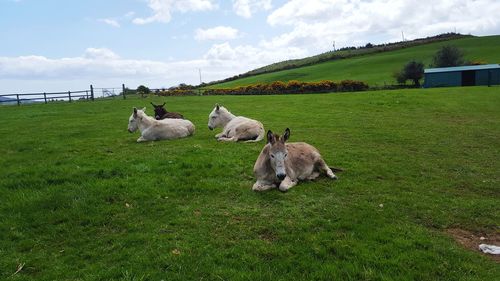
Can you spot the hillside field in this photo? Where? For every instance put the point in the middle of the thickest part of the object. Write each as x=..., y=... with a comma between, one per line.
x=377, y=69
x=81, y=200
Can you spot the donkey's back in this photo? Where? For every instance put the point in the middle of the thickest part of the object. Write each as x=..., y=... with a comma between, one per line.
x=169, y=129
x=303, y=159
x=172, y=115
x=245, y=129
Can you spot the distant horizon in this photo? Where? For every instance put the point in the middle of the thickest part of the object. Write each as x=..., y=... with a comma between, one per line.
x=60, y=46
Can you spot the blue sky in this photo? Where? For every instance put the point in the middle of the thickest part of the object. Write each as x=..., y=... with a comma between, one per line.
x=52, y=45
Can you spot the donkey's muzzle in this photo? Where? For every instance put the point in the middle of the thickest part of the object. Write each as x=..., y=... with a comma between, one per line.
x=281, y=176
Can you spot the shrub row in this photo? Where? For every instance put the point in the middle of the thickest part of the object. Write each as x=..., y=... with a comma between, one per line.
x=277, y=87
x=292, y=87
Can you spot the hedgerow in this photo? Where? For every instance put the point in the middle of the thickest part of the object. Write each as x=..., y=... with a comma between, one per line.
x=277, y=87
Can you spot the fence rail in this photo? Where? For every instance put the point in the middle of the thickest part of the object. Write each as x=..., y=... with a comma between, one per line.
x=90, y=94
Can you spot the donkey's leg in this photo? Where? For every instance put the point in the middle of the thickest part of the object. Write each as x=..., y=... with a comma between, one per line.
x=286, y=184
x=141, y=139
x=324, y=168
x=262, y=186
x=219, y=135
x=259, y=137
x=227, y=139
x=313, y=176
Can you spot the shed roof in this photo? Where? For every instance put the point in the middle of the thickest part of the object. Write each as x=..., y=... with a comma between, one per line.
x=462, y=68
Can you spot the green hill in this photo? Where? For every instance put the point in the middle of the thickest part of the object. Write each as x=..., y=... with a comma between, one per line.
x=376, y=69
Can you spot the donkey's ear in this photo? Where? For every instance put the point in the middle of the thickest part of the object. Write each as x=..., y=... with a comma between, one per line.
x=153, y=104
x=144, y=109
x=270, y=137
x=217, y=107
x=286, y=135
x=163, y=104
x=135, y=112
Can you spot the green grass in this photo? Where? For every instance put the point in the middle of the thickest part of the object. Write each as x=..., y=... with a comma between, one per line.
x=81, y=200
x=376, y=69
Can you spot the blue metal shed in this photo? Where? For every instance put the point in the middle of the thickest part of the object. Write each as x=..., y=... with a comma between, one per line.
x=473, y=75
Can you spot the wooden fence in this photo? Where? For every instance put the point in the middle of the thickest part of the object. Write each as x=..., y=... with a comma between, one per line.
x=90, y=94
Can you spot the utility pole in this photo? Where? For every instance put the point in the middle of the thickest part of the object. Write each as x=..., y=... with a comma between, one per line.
x=403, y=35
x=334, y=45
x=199, y=71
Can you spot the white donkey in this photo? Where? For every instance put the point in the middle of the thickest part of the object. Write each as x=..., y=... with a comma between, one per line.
x=152, y=129
x=283, y=164
x=235, y=128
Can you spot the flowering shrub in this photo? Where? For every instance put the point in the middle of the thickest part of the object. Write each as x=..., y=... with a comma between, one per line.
x=276, y=88
x=291, y=87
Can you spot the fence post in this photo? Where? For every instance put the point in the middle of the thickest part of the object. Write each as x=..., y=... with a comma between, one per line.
x=69, y=95
x=92, y=92
x=123, y=91
x=87, y=95
x=18, y=101
x=45, y=97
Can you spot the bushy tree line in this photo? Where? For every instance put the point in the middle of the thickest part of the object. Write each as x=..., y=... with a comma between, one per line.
x=278, y=87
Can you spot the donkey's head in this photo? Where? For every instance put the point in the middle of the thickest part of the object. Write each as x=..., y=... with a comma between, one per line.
x=278, y=152
x=217, y=117
x=159, y=110
x=135, y=118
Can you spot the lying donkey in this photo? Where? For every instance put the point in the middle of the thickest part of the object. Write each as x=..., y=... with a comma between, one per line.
x=235, y=128
x=162, y=113
x=283, y=164
x=152, y=129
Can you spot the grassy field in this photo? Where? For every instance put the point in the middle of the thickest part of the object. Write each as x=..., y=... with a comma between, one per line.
x=377, y=69
x=81, y=200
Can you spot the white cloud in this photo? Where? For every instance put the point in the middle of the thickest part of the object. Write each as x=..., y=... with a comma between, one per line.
x=316, y=23
x=101, y=66
x=162, y=9
x=111, y=22
x=216, y=33
x=129, y=14
x=245, y=8
x=100, y=53
x=115, y=22
x=94, y=65
x=247, y=57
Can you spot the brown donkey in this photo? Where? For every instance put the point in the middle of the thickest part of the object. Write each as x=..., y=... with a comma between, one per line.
x=162, y=113
x=282, y=164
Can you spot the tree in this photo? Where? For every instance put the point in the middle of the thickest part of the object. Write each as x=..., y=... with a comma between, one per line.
x=414, y=71
x=143, y=90
x=400, y=77
x=448, y=56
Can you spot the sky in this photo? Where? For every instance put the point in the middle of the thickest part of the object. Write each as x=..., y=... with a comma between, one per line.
x=60, y=45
